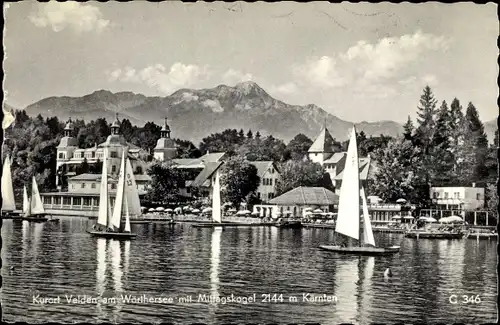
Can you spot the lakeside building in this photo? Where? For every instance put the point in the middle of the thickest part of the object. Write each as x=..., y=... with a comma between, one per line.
x=82, y=195
x=298, y=199
x=458, y=198
x=70, y=157
x=328, y=153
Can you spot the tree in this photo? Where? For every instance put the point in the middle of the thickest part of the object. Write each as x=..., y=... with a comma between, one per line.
x=400, y=174
x=228, y=141
x=249, y=134
x=472, y=167
x=127, y=130
x=83, y=168
x=186, y=149
x=426, y=119
x=298, y=147
x=241, y=135
x=408, y=129
x=257, y=149
x=257, y=135
x=441, y=157
x=491, y=197
x=166, y=181
x=238, y=180
x=295, y=173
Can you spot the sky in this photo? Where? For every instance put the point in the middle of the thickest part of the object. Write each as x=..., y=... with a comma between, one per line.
x=360, y=62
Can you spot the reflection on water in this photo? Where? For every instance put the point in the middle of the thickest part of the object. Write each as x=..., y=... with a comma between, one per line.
x=62, y=259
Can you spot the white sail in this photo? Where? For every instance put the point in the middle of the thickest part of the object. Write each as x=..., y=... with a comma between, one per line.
x=367, y=226
x=104, y=207
x=348, y=214
x=132, y=193
x=8, y=202
x=216, y=204
x=118, y=207
x=26, y=202
x=127, y=217
x=215, y=261
x=36, y=200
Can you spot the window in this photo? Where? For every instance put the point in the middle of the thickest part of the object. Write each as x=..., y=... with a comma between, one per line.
x=61, y=155
x=86, y=201
x=47, y=200
x=458, y=195
x=96, y=201
x=272, y=170
x=113, y=169
x=83, y=185
x=77, y=201
x=258, y=195
x=270, y=181
x=445, y=195
x=138, y=170
x=478, y=196
x=113, y=186
x=93, y=185
x=93, y=154
x=66, y=200
x=114, y=154
x=270, y=195
x=57, y=200
x=435, y=195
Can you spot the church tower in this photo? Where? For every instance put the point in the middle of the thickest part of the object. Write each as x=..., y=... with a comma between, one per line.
x=166, y=148
x=66, y=147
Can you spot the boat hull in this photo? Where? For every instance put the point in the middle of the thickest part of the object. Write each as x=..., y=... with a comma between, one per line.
x=434, y=235
x=34, y=219
x=361, y=250
x=288, y=224
x=210, y=225
x=138, y=222
x=112, y=235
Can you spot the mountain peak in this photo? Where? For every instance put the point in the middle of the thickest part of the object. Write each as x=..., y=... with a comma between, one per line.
x=249, y=86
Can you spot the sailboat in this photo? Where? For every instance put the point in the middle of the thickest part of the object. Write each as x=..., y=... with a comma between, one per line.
x=109, y=223
x=216, y=206
x=348, y=218
x=131, y=199
x=8, y=203
x=33, y=207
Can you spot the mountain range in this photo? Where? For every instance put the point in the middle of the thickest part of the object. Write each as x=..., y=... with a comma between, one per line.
x=196, y=113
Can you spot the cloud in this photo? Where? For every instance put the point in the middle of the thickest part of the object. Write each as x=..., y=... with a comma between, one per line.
x=430, y=80
x=60, y=15
x=288, y=88
x=231, y=77
x=157, y=76
x=320, y=72
x=214, y=105
x=365, y=63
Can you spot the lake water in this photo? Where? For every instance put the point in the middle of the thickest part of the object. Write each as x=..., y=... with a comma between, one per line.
x=172, y=262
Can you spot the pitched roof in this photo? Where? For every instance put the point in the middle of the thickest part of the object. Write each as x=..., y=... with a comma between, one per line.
x=367, y=169
x=206, y=173
x=262, y=166
x=307, y=196
x=198, y=162
x=323, y=143
x=335, y=158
